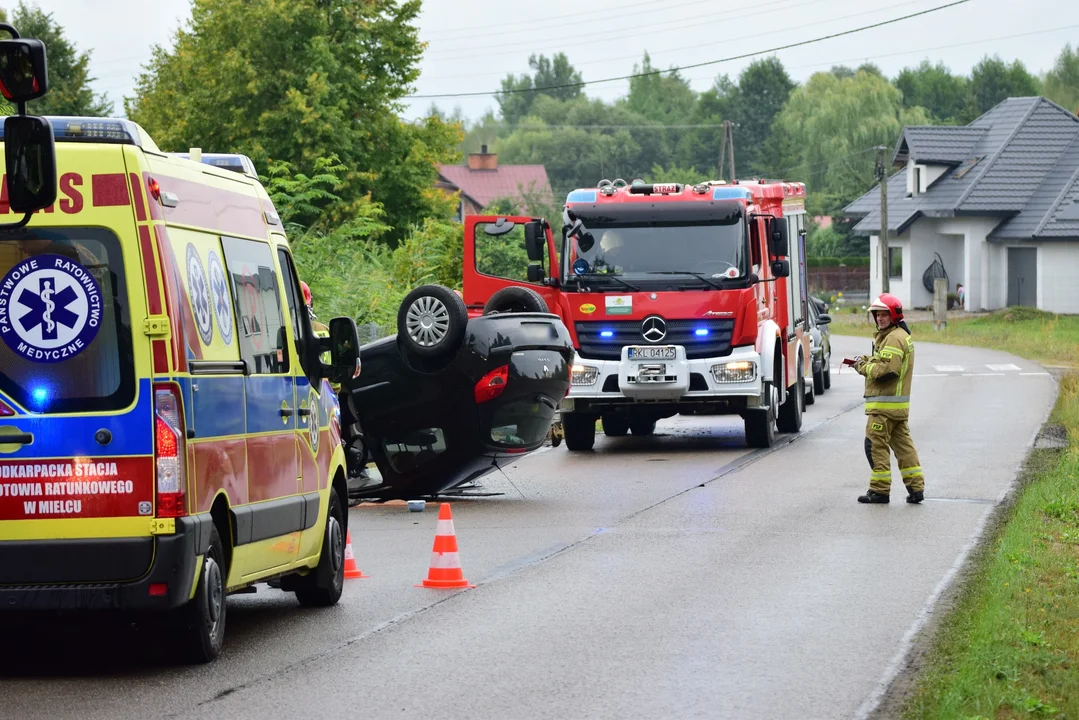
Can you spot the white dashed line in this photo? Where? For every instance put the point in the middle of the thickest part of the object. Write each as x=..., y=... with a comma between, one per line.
x=1008, y=367
x=949, y=368
x=1035, y=374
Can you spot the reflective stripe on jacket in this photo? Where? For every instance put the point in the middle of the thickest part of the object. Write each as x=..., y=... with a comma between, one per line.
x=888, y=373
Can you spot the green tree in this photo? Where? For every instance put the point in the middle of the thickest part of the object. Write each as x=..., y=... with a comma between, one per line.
x=992, y=81
x=834, y=124
x=763, y=90
x=934, y=88
x=70, y=92
x=517, y=94
x=299, y=81
x=666, y=98
x=1062, y=81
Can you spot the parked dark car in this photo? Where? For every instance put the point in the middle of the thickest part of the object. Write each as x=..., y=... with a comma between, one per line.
x=450, y=398
x=821, y=344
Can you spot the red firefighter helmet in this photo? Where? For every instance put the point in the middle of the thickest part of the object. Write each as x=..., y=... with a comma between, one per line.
x=306, y=293
x=889, y=303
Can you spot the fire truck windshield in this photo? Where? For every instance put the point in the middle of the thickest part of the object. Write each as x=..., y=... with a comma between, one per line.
x=703, y=252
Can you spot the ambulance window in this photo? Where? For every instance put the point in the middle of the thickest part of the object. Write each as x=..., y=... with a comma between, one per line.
x=296, y=310
x=65, y=323
x=263, y=338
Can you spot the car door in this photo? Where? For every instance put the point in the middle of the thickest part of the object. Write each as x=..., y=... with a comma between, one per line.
x=495, y=257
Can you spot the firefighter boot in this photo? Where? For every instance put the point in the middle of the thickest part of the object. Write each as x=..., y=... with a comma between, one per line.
x=914, y=496
x=873, y=497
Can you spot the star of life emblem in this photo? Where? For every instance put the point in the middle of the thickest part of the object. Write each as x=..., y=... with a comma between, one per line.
x=50, y=308
x=198, y=290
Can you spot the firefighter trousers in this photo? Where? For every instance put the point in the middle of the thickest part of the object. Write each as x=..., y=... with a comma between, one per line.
x=881, y=435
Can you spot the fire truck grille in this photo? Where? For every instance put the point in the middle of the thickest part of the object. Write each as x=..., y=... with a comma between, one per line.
x=605, y=340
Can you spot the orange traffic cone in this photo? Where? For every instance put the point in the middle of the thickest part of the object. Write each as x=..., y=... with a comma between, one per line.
x=351, y=571
x=445, y=571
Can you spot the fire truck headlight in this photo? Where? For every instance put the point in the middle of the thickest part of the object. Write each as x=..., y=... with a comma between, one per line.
x=735, y=372
x=584, y=375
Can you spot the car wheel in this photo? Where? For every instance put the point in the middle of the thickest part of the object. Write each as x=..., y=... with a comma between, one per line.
x=642, y=428
x=615, y=425
x=818, y=377
x=431, y=321
x=515, y=299
x=790, y=412
x=324, y=585
x=827, y=372
x=580, y=431
x=761, y=422
x=201, y=622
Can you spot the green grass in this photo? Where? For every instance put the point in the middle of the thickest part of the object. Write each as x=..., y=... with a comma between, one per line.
x=1041, y=336
x=1010, y=647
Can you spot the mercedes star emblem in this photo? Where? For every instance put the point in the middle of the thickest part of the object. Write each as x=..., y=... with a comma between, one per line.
x=654, y=328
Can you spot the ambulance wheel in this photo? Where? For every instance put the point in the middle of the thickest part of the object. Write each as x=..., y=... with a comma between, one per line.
x=580, y=430
x=201, y=622
x=323, y=586
x=615, y=425
x=431, y=321
x=761, y=422
x=515, y=299
x=642, y=427
x=790, y=412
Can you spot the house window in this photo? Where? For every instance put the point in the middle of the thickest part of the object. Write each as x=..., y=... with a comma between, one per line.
x=895, y=263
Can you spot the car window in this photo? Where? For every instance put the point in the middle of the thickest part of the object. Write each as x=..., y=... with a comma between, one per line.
x=65, y=322
x=261, y=325
x=301, y=325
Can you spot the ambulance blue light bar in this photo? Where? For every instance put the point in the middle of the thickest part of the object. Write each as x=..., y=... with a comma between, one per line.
x=89, y=129
x=581, y=196
x=226, y=161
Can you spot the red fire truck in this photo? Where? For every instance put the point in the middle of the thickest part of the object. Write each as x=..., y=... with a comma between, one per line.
x=679, y=298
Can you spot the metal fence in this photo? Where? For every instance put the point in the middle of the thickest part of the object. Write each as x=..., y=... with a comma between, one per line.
x=369, y=332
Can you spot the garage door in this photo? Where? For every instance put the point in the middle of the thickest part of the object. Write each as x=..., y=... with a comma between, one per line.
x=1023, y=276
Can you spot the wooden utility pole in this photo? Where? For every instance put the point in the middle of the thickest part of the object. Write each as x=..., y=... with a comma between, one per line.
x=728, y=144
x=885, y=262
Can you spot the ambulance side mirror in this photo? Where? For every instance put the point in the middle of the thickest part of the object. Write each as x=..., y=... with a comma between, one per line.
x=23, y=72
x=30, y=155
x=344, y=350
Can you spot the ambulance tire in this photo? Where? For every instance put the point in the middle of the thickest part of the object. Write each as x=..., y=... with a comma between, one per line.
x=580, y=430
x=790, y=412
x=431, y=322
x=760, y=423
x=322, y=587
x=515, y=299
x=201, y=622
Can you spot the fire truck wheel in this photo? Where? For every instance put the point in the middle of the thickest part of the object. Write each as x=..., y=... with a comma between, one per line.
x=642, y=427
x=761, y=422
x=431, y=321
x=790, y=412
x=201, y=622
x=580, y=430
x=515, y=299
x=615, y=425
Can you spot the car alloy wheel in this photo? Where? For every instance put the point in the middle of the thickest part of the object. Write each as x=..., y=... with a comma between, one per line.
x=427, y=321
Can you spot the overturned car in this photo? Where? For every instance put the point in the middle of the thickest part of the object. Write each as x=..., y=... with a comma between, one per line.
x=450, y=398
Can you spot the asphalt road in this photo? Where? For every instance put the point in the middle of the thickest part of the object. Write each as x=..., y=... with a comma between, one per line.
x=673, y=576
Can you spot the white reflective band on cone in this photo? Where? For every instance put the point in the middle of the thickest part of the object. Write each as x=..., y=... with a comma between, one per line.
x=445, y=561
x=445, y=527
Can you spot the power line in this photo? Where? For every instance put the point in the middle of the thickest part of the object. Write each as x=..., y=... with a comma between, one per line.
x=540, y=23
x=788, y=46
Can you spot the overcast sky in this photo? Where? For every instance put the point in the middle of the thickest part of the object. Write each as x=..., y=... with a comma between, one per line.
x=473, y=44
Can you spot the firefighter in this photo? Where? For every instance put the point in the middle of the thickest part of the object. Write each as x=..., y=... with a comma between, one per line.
x=320, y=329
x=887, y=404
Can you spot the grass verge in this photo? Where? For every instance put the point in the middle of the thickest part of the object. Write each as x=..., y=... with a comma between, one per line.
x=1047, y=338
x=1009, y=648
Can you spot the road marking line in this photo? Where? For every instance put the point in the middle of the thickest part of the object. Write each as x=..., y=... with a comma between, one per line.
x=930, y=375
x=1008, y=367
x=1035, y=374
x=949, y=368
x=982, y=374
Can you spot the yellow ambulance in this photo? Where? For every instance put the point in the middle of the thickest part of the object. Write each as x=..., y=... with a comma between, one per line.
x=167, y=431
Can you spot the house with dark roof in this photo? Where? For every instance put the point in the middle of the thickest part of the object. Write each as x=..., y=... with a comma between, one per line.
x=995, y=201
x=483, y=180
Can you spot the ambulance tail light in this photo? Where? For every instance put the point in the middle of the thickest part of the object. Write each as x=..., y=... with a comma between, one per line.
x=170, y=452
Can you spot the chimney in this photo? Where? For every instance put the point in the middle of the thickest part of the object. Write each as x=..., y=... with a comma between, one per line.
x=483, y=160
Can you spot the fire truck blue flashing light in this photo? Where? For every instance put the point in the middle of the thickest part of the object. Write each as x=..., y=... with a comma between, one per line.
x=731, y=193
